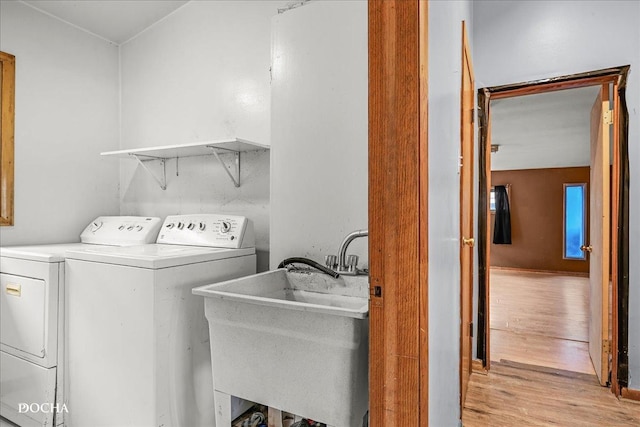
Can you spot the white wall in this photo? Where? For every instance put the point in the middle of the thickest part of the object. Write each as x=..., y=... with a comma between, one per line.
x=445, y=61
x=66, y=114
x=527, y=40
x=200, y=74
x=319, y=176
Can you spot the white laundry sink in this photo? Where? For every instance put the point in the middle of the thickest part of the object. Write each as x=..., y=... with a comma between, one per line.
x=295, y=341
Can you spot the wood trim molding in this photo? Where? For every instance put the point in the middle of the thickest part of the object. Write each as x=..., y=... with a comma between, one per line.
x=423, y=190
x=398, y=356
x=7, y=107
x=478, y=367
x=631, y=394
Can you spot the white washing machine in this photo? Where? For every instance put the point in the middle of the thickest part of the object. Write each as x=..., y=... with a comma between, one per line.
x=32, y=317
x=137, y=338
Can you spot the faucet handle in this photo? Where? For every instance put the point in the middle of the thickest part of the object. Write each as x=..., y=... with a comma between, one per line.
x=352, y=262
x=331, y=261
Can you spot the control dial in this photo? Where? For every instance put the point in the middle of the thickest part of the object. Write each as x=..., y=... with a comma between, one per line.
x=191, y=226
x=170, y=225
x=226, y=227
x=180, y=225
x=95, y=226
x=202, y=226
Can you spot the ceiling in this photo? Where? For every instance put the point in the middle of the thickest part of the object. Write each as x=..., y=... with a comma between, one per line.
x=113, y=20
x=546, y=130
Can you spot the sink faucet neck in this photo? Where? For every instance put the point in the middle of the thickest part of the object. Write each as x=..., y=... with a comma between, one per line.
x=342, y=252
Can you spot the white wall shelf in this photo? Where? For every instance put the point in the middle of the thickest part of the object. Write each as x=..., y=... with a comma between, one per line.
x=207, y=148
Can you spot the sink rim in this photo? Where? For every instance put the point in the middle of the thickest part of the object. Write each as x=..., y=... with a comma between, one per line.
x=221, y=291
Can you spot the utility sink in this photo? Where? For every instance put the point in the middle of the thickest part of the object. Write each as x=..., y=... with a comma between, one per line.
x=303, y=290
x=293, y=340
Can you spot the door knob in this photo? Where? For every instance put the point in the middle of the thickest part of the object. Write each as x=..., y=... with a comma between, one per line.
x=585, y=248
x=469, y=242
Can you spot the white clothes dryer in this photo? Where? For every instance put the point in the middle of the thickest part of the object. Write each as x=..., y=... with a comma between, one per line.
x=137, y=338
x=32, y=282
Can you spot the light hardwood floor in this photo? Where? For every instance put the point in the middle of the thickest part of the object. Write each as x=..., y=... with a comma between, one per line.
x=516, y=394
x=540, y=319
x=541, y=373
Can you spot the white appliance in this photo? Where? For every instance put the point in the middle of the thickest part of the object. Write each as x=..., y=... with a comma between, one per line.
x=137, y=338
x=32, y=316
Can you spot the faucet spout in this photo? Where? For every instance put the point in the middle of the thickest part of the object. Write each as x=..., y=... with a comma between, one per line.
x=342, y=252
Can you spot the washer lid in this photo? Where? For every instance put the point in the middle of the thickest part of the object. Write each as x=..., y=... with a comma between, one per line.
x=42, y=253
x=155, y=256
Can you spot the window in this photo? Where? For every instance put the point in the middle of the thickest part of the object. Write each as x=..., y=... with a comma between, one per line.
x=575, y=220
x=7, y=99
x=492, y=197
x=492, y=200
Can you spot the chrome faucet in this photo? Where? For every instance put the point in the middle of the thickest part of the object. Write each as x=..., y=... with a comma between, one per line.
x=346, y=264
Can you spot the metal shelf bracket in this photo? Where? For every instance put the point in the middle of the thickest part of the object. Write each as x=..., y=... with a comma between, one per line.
x=162, y=182
x=235, y=175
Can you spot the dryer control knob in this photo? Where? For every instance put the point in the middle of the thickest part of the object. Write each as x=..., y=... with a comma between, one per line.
x=170, y=225
x=180, y=226
x=202, y=226
x=191, y=226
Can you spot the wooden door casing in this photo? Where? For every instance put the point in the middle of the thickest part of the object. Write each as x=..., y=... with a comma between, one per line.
x=466, y=215
x=599, y=232
x=398, y=315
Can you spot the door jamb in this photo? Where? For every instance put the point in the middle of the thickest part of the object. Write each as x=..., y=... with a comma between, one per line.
x=398, y=179
x=619, y=204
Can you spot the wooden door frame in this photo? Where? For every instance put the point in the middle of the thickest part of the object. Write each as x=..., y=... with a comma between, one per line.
x=466, y=289
x=398, y=316
x=616, y=76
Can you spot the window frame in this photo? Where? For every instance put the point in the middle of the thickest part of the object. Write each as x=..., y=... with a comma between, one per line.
x=7, y=123
x=492, y=190
x=584, y=219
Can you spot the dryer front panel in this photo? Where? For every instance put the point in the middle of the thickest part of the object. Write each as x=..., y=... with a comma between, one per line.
x=22, y=314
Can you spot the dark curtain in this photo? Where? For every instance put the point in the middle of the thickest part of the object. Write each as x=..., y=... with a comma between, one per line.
x=502, y=226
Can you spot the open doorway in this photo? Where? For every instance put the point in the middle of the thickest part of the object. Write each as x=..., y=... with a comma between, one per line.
x=615, y=230
x=539, y=216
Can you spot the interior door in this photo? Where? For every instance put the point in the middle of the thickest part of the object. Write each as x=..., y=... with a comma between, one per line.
x=599, y=231
x=466, y=216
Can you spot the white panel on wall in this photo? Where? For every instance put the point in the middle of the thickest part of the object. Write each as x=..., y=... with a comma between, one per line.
x=445, y=61
x=200, y=74
x=66, y=114
x=520, y=41
x=319, y=130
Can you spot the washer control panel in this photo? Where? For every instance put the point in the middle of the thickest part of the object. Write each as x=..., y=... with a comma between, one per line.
x=212, y=230
x=121, y=230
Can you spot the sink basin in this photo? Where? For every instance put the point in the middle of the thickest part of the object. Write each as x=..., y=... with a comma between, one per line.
x=298, y=290
x=295, y=341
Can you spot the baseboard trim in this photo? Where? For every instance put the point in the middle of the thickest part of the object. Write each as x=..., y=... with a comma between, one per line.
x=530, y=270
x=631, y=394
x=478, y=368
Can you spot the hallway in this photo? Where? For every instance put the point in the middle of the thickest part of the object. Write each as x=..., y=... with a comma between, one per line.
x=541, y=373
